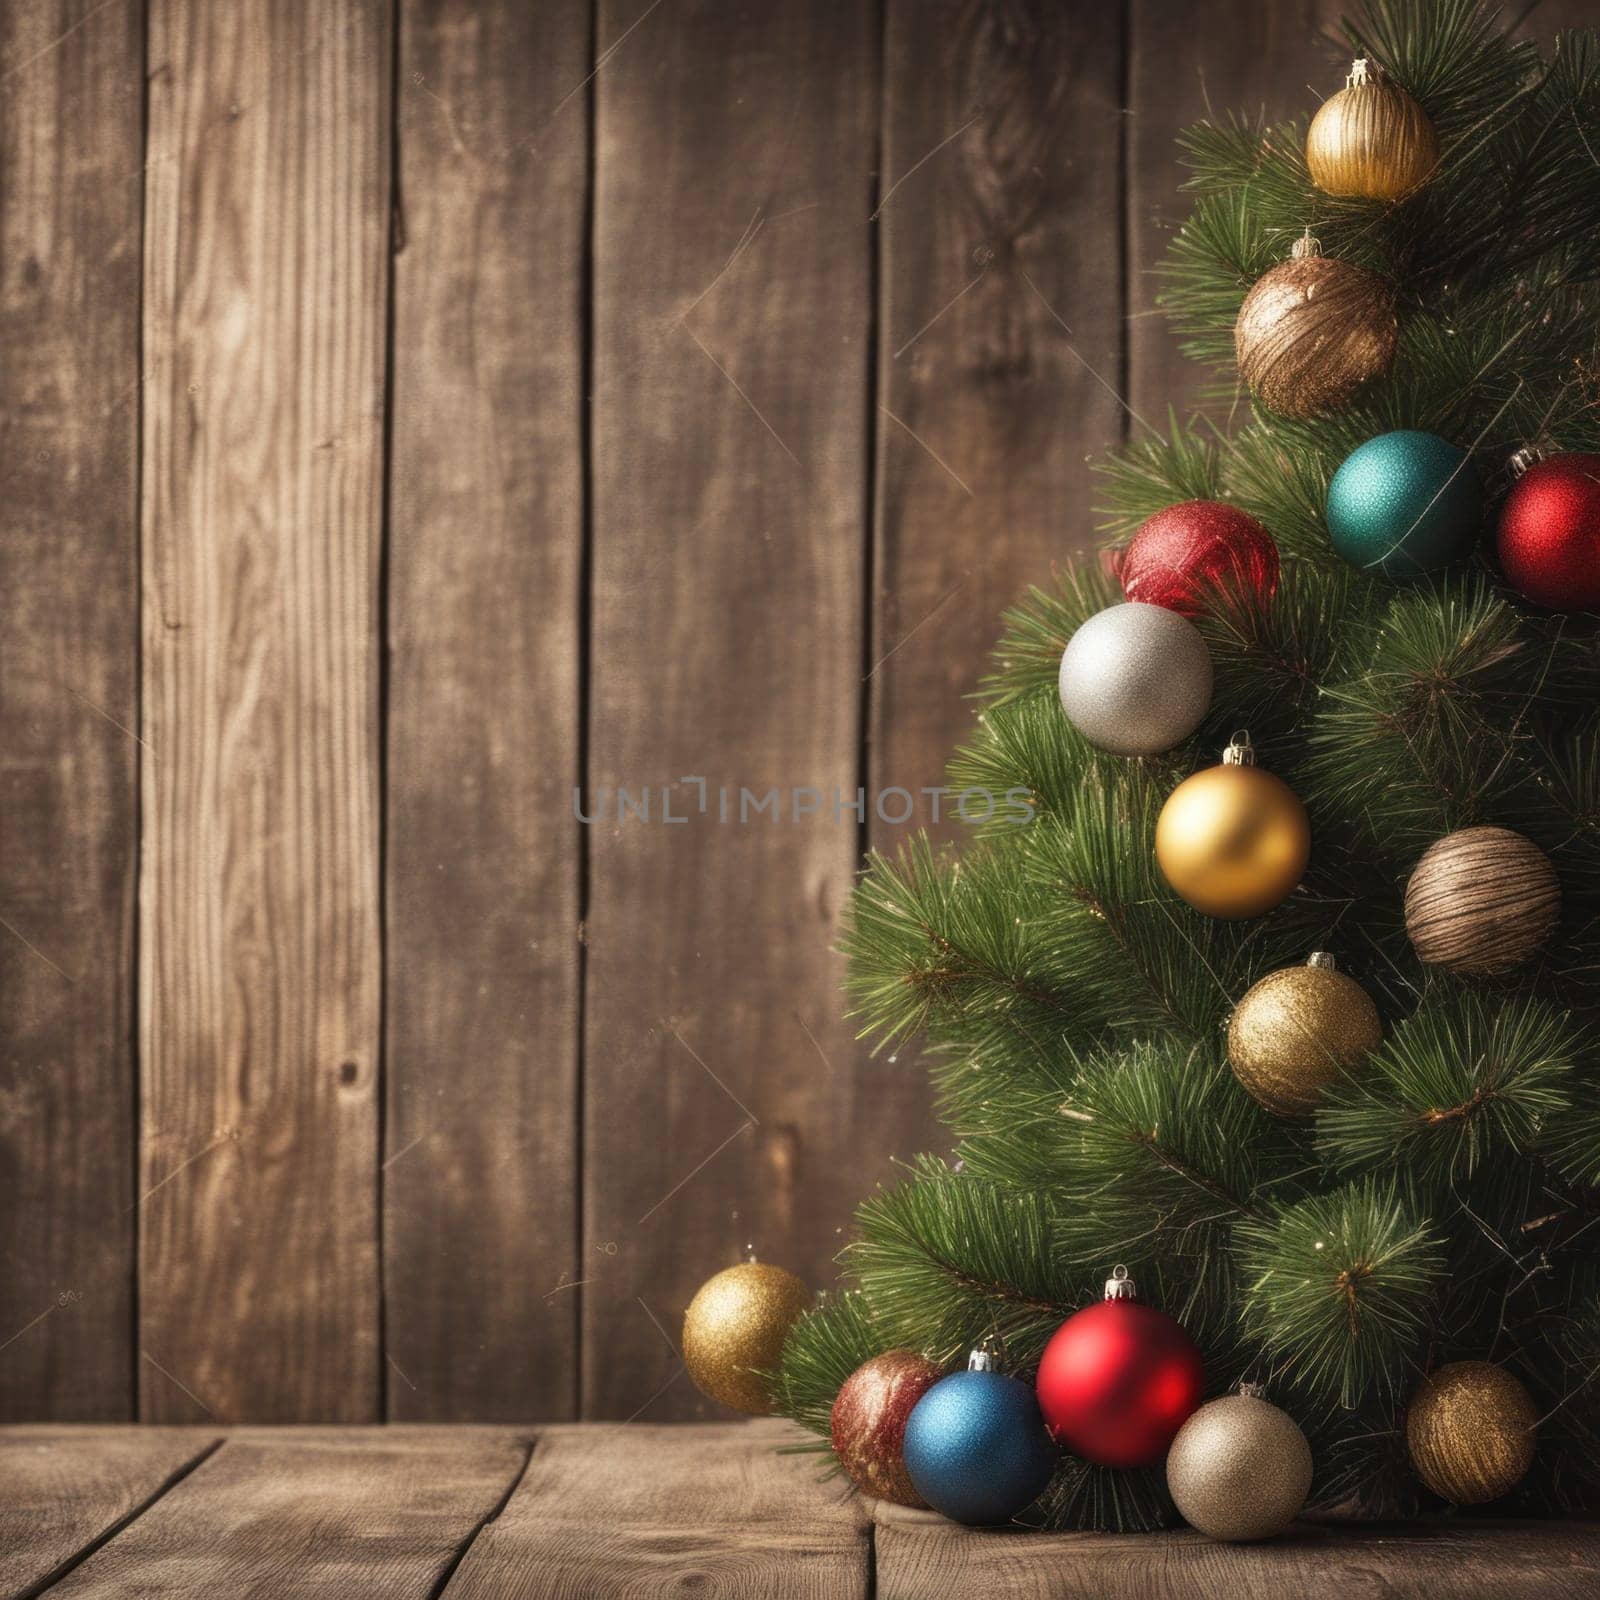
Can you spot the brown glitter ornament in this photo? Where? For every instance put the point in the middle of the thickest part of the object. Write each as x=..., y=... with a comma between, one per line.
x=1371, y=140
x=1296, y=1030
x=1312, y=330
x=1471, y=1429
x=1481, y=901
x=1239, y=1468
x=1233, y=840
x=734, y=1329
x=869, y=1422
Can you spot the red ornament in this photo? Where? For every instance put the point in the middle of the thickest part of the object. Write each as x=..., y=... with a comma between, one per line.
x=1549, y=534
x=1119, y=1379
x=1198, y=545
x=869, y=1422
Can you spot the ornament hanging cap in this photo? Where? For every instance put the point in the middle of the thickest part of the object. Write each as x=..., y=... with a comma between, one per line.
x=1119, y=1286
x=1253, y=1391
x=1363, y=72
x=1530, y=455
x=1305, y=247
x=1240, y=752
x=1323, y=959
x=981, y=1357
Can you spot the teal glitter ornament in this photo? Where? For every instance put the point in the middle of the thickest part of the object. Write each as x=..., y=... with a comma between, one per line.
x=1404, y=503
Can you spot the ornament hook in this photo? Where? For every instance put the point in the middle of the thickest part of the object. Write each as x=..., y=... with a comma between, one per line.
x=1119, y=1286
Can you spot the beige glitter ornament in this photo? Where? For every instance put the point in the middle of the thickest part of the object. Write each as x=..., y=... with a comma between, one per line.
x=1312, y=330
x=1239, y=1468
x=734, y=1329
x=1371, y=140
x=1481, y=901
x=1471, y=1429
x=1296, y=1031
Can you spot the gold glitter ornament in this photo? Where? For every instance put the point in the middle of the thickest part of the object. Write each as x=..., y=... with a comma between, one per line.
x=1471, y=1429
x=1296, y=1030
x=734, y=1329
x=1239, y=1468
x=1312, y=330
x=1233, y=840
x=1371, y=140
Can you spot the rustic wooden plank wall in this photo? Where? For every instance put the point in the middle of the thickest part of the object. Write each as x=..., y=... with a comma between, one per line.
x=660, y=395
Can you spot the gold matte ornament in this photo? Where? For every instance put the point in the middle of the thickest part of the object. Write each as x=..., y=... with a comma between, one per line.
x=1233, y=840
x=1371, y=140
x=1482, y=901
x=734, y=1329
x=1240, y=1468
x=1296, y=1031
x=1312, y=330
x=1471, y=1431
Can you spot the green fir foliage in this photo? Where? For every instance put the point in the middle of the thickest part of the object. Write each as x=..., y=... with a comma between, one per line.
x=1444, y=1203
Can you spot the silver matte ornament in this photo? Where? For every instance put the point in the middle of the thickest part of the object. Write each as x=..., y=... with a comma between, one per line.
x=1239, y=1468
x=1136, y=679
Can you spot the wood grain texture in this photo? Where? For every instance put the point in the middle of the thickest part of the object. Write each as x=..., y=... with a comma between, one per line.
x=1276, y=57
x=919, y=1554
x=63, y=1488
x=480, y=1192
x=312, y=1517
x=723, y=1100
x=265, y=281
x=1000, y=349
x=647, y=1510
x=70, y=202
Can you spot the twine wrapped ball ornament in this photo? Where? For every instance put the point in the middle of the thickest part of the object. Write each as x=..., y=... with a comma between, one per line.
x=1481, y=901
x=1240, y=1469
x=734, y=1329
x=1312, y=330
x=1296, y=1030
x=1371, y=140
x=1471, y=1429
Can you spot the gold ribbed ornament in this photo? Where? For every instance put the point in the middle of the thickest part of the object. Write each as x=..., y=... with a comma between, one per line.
x=1296, y=1030
x=1471, y=1430
x=734, y=1329
x=1233, y=840
x=1371, y=140
x=1312, y=330
x=1481, y=901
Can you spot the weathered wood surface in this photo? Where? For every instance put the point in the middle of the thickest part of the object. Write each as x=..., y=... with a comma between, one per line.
x=265, y=284
x=319, y=1517
x=486, y=547
x=575, y=1511
x=734, y=155
x=920, y=1554
x=63, y=1490
x=649, y=1510
x=71, y=85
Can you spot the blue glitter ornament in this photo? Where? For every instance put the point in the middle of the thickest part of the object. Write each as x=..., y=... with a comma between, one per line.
x=1403, y=504
x=976, y=1446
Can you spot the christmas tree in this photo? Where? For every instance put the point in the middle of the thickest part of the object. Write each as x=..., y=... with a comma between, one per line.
x=1349, y=1181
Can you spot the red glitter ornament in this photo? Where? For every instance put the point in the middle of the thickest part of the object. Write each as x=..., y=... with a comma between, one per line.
x=1549, y=534
x=1195, y=546
x=869, y=1422
x=1118, y=1380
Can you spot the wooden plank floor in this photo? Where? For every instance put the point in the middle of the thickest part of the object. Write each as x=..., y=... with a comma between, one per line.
x=477, y=1513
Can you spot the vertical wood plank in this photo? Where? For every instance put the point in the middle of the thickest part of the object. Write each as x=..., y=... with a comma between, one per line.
x=70, y=206
x=724, y=1104
x=265, y=273
x=1273, y=57
x=480, y=1190
x=1001, y=344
